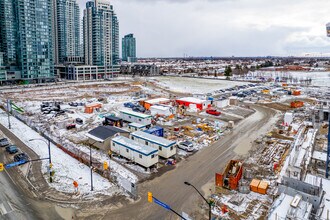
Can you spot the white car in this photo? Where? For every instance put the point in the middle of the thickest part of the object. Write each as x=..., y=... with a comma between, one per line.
x=186, y=146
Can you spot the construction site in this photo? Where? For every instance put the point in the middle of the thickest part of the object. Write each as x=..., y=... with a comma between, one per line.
x=143, y=129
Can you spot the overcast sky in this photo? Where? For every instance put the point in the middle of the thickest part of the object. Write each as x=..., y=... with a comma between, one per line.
x=168, y=28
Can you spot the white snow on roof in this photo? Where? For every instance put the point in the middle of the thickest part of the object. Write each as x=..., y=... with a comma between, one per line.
x=134, y=145
x=158, y=100
x=153, y=138
x=305, y=146
x=138, y=114
x=94, y=137
x=160, y=107
x=326, y=198
x=313, y=180
x=137, y=125
x=192, y=100
x=322, y=156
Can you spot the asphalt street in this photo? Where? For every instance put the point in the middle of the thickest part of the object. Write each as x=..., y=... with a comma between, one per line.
x=14, y=205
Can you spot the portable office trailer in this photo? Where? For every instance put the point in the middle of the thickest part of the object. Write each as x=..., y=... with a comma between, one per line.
x=136, y=127
x=221, y=103
x=163, y=110
x=166, y=148
x=137, y=117
x=148, y=103
x=141, y=154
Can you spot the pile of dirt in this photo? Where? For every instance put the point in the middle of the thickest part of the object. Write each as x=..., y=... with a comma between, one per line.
x=278, y=106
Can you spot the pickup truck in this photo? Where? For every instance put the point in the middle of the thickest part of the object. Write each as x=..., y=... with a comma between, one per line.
x=213, y=112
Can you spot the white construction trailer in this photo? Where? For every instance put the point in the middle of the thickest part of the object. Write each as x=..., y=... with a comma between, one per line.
x=139, y=153
x=166, y=148
x=137, y=117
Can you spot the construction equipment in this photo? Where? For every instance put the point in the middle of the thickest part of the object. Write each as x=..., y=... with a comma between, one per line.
x=231, y=176
x=204, y=127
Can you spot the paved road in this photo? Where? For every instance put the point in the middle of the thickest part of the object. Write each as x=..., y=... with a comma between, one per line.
x=13, y=203
x=198, y=169
x=16, y=199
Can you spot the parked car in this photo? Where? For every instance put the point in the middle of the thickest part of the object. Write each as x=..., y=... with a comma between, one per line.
x=70, y=126
x=186, y=146
x=73, y=104
x=79, y=121
x=212, y=111
x=12, y=149
x=4, y=142
x=129, y=105
x=139, y=108
x=20, y=157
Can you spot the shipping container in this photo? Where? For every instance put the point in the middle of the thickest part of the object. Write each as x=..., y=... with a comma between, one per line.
x=89, y=109
x=231, y=176
x=254, y=185
x=262, y=188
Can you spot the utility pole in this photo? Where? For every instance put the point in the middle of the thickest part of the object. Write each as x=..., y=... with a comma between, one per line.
x=8, y=111
x=209, y=203
x=50, y=162
x=91, y=165
x=328, y=151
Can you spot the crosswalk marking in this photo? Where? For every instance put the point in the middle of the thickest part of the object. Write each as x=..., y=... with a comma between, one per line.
x=5, y=208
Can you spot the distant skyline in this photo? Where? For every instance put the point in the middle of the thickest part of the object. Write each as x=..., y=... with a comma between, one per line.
x=171, y=28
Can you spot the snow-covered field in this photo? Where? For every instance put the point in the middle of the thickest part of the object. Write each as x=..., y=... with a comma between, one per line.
x=193, y=85
x=67, y=169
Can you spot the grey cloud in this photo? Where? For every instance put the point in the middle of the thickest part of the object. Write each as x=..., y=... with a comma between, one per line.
x=224, y=27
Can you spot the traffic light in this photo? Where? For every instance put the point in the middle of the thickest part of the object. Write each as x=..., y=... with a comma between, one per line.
x=1, y=167
x=105, y=165
x=149, y=196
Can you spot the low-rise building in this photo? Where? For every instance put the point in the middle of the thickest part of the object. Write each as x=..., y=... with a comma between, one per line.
x=85, y=72
x=191, y=102
x=101, y=136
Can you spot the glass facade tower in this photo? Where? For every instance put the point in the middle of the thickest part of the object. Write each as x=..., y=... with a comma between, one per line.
x=129, y=48
x=67, y=30
x=26, y=37
x=101, y=35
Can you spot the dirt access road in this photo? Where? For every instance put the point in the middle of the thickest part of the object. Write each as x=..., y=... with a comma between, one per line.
x=198, y=169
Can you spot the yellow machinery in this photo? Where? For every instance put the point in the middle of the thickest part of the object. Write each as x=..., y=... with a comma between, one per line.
x=205, y=127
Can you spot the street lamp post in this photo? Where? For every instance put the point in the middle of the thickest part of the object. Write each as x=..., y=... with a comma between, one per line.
x=91, y=165
x=49, y=156
x=210, y=208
